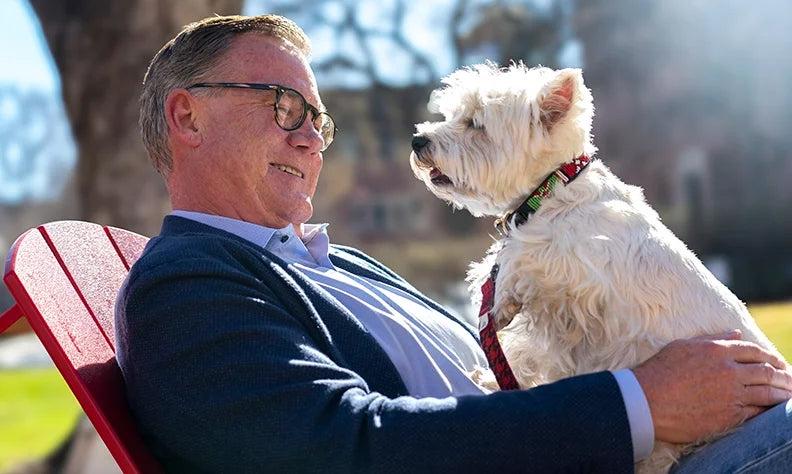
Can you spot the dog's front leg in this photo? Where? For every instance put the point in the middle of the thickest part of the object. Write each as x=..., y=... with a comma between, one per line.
x=506, y=308
x=527, y=362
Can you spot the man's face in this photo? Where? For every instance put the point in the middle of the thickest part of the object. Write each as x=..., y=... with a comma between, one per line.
x=243, y=152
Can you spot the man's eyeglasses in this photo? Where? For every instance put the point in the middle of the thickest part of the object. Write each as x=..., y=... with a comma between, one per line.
x=290, y=107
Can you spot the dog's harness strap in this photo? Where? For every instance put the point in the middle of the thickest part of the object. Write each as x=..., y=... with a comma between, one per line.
x=489, y=337
x=565, y=174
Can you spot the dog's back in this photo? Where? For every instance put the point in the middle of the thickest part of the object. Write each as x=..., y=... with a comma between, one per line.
x=600, y=283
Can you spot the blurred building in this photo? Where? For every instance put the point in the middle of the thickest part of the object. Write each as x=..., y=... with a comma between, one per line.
x=693, y=105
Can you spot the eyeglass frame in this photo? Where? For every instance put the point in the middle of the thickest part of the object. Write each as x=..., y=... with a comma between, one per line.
x=279, y=91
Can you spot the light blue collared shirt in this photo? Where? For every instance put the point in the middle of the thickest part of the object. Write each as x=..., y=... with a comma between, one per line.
x=432, y=353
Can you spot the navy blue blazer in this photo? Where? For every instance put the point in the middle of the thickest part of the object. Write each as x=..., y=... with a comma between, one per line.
x=234, y=362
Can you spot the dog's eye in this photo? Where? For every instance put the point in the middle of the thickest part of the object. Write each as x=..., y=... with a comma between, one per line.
x=472, y=124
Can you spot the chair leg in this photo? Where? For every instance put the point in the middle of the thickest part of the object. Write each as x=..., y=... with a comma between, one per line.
x=10, y=317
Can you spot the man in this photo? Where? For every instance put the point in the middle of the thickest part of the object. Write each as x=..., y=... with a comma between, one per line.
x=248, y=343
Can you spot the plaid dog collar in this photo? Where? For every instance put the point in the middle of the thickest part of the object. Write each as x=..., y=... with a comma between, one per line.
x=565, y=174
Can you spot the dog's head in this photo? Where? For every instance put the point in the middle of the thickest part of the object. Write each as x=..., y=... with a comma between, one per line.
x=504, y=131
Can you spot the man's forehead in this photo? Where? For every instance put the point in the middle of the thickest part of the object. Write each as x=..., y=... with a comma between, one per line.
x=262, y=59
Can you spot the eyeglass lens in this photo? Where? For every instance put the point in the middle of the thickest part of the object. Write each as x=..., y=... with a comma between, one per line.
x=289, y=113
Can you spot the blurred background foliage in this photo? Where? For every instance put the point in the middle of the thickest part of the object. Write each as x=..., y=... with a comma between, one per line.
x=692, y=97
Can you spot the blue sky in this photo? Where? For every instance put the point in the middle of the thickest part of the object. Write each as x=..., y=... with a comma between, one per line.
x=26, y=61
x=27, y=68
x=24, y=58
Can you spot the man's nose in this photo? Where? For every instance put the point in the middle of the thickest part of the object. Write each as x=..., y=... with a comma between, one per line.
x=307, y=136
x=418, y=142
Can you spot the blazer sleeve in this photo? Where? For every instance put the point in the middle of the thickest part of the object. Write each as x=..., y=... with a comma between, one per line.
x=222, y=379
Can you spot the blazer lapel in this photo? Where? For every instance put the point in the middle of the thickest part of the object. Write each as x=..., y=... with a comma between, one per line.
x=359, y=349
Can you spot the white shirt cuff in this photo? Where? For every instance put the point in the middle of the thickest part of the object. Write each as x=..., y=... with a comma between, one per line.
x=638, y=414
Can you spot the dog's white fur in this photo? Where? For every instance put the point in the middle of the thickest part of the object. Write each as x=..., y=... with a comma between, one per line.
x=593, y=280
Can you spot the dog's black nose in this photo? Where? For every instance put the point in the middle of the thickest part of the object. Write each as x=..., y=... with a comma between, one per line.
x=418, y=142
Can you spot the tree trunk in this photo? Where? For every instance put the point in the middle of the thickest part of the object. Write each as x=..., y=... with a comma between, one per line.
x=102, y=50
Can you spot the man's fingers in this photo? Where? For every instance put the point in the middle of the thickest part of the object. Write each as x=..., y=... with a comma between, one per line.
x=749, y=353
x=750, y=411
x=764, y=374
x=764, y=395
x=734, y=334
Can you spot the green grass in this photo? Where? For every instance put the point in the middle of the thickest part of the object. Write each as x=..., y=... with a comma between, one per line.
x=775, y=319
x=37, y=411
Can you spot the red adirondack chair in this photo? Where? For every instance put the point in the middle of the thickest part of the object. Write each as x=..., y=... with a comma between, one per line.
x=64, y=277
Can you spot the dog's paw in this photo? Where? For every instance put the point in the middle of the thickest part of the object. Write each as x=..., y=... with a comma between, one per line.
x=485, y=379
x=506, y=311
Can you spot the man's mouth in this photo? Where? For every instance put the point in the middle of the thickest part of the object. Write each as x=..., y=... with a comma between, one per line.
x=439, y=179
x=288, y=169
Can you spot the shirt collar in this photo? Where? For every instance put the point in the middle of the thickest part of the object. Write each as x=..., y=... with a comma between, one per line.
x=313, y=249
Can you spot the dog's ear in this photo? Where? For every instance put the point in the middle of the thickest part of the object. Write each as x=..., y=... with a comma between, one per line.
x=557, y=96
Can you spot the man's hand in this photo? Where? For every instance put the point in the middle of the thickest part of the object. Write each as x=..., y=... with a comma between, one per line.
x=703, y=386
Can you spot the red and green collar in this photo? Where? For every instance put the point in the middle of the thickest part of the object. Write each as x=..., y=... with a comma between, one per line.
x=565, y=174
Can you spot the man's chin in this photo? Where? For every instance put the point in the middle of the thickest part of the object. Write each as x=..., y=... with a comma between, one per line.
x=302, y=214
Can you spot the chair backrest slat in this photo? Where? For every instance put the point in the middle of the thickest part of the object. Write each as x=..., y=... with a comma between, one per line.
x=90, y=260
x=51, y=295
x=128, y=245
x=64, y=277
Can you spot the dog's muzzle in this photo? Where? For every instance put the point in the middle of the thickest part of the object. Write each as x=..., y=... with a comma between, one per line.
x=420, y=158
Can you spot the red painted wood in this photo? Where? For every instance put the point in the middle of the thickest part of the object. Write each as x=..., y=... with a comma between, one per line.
x=92, y=264
x=9, y=317
x=45, y=273
x=129, y=245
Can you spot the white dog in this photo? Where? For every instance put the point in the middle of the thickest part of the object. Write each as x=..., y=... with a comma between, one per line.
x=592, y=279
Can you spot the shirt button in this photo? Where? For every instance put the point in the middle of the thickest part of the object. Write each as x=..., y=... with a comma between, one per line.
x=284, y=239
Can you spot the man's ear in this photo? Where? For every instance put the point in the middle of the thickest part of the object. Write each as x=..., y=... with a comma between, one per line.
x=557, y=97
x=180, y=114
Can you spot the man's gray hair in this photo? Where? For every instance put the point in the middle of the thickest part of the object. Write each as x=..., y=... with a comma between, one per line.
x=188, y=57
